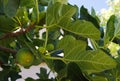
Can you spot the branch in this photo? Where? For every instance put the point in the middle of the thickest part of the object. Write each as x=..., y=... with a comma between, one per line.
x=17, y=33
x=8, y=50
x=14, y=34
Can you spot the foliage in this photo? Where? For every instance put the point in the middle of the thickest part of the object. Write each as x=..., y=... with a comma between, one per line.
x=113, y=9
x=49, y=28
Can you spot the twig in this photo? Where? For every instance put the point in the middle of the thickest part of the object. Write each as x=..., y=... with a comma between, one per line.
x=8, y=50
x=15, y=34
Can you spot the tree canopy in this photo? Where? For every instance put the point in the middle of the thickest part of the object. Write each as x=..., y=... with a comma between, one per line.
x=37, y=31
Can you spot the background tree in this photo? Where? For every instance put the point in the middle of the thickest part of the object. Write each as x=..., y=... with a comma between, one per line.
x=113, y=8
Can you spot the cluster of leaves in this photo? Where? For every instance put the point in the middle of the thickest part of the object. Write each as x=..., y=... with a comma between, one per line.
x=67, y=31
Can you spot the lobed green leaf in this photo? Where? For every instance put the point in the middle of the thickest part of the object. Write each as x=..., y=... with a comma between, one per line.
x=57, y=12
x=82, y=28
x=86, y=16
x=69, y=43
x=110, y=29
x=91, y=61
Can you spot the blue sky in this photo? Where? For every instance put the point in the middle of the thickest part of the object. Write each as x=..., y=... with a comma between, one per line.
x=96, y=4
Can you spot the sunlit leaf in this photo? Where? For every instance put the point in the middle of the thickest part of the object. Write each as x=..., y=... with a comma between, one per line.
x=92, y=61
x=57, y=12
x=69, y=43
x=82, y=28
x=53, y=14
